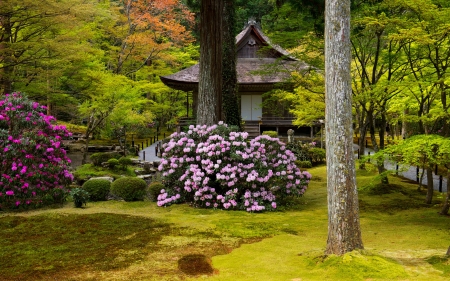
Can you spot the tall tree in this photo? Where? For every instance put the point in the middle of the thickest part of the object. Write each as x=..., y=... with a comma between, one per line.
x=146, y=29
x=209, y=109
x=229, y=74
x=344, y=233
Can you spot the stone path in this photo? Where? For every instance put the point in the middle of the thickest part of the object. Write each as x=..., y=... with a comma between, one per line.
x=149, y=152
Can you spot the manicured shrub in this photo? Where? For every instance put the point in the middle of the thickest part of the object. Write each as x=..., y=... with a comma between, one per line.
x=98, y=189
x=216, y=167
x=100, y=157
x=317, y=155
x=113, y=163
x=154, y=189
x=33, y=165
x=272, y=134
x=303, y=164
x=125, y=162
x=129, y=188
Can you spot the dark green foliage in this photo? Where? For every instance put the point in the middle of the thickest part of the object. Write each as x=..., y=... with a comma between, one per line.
x=303, y=164
x=98, y=189
x=125, y=162
x=129, y=188
x=272, y=134
x=317, y=155
x=154, y=189
x=100, y=157
x=79, y=196
x=112, y=163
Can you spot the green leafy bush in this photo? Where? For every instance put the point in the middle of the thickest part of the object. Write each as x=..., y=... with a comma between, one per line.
x=98, y=189
x=129, y=188
x=79, y=196
x=112, y=163
x=303, y=164
x=154, y=189
x=100, y=157
x=272, y=134
x=317, y=155
x=125, y=162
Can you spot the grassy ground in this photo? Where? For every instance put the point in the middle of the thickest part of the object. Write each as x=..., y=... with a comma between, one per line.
x=403, y=239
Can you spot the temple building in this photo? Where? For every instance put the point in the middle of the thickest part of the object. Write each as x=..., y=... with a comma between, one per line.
x=261, y=67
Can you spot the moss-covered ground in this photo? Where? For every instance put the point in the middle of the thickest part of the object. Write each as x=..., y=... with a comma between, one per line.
x=404, y=239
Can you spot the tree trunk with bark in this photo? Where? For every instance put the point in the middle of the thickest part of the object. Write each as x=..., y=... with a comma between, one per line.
x=209, y=108
x=230, y=89
x=344, y=232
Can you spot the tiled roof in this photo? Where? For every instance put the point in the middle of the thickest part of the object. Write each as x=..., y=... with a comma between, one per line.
x=249, y=70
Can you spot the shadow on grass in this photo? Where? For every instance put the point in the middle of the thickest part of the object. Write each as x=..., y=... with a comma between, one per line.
x=47, y=245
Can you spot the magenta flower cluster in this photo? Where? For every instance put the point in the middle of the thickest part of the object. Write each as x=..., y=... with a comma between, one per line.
x=32, y=162
x=216, y=167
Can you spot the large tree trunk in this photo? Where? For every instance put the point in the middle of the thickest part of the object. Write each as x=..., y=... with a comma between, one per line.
x=344, y=233
x=229, y=75
x=209, y=109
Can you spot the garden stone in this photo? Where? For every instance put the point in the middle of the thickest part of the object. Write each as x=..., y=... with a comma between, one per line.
x=111, y=179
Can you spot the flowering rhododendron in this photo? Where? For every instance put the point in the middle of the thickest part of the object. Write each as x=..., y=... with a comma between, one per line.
x=215, y=167
x=32, y=162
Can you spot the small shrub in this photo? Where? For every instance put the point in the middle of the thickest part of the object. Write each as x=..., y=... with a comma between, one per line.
x=112, y=163
x=129, y=188
x=272, y=134
x=125, y=162
x=303, y=164
x=154, y=189
x=317, y=155
x=98, y=189
x=79, y=196
x=100, y=157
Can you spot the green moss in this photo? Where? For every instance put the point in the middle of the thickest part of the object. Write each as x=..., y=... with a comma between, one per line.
x=358, y=265
x=441, y=263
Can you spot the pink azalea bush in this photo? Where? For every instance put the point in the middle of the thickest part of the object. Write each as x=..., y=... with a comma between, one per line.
x=33, y=164
x=215, y=167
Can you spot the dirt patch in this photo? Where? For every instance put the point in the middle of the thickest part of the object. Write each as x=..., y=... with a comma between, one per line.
x=195, y=265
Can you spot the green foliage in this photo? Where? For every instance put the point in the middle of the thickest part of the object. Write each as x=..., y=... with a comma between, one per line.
x=303, y=164
x=79, y=196
x=98, y=189
x=317, y=155
x=125, y=162
x=100, y=157
x=154, y=189
x=307, y=152
x=112, y=163
x=129, y=188
x=87, y=171
x=272, y=134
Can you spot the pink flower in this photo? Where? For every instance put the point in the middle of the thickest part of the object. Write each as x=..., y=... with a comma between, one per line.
x=9, y=192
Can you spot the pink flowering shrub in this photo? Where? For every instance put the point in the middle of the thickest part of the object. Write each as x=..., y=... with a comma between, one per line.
x=33, y=166
x=215, y=167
